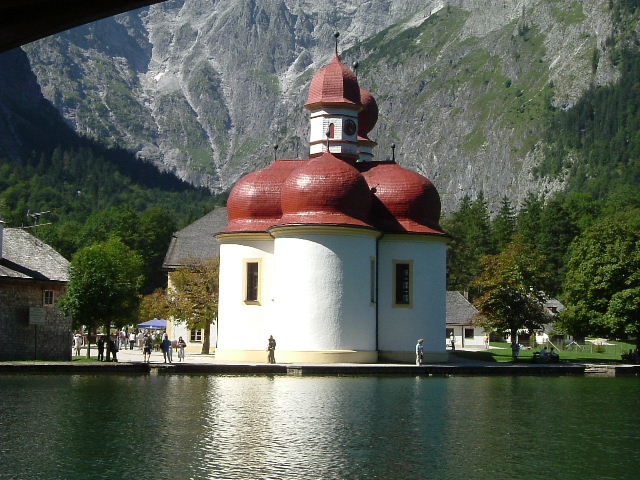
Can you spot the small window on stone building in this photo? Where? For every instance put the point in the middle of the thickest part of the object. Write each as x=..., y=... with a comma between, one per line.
x=47, y=297
x=196, y=335
x=468, y=333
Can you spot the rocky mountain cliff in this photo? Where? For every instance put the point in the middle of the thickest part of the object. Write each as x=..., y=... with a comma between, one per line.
x=204, y=88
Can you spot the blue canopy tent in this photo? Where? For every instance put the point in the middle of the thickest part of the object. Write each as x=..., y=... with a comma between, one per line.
x=155, y=324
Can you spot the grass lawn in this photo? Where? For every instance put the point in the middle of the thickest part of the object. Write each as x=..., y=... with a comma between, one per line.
x=501, y=352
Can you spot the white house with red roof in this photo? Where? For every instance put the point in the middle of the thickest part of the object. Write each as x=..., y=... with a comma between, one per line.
x=340, y=257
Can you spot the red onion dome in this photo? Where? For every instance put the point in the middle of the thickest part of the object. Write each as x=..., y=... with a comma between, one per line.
x=368, y=116
x=254, y=202
x=335, y=84
x=325, y=191
x=405, y=201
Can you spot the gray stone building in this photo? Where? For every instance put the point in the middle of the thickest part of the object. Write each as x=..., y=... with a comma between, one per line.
x=33, y=276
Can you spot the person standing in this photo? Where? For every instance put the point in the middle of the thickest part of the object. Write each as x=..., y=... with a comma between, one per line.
x=271, y=348
x=147, y=345
x=100, y=345
x=132, y=340
x=113, y=348
x=452, y=341
x=166, y=348
x=181, y=346
x=515, y=351
x=419, y=351
x=77, y=344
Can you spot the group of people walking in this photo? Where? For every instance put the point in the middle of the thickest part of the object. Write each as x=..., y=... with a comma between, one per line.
x=111, y=344
x=167, y=347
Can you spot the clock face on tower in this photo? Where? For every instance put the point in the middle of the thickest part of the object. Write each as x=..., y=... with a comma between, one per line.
x=349, y=127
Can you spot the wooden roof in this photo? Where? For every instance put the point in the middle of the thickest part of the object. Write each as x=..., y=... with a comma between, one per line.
x=459, y=310
x=196, y=240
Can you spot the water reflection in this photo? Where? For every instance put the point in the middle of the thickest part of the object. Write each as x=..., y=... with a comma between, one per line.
x=343, y=427
x=259, y=427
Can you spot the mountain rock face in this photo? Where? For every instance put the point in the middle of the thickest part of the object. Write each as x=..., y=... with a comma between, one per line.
x=204, y=88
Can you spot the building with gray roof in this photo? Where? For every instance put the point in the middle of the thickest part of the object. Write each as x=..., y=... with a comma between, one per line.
x=33, y=276
x=460, y=322
x=196, y=240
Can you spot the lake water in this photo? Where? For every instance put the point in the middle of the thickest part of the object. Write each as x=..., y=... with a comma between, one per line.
x=272, y=427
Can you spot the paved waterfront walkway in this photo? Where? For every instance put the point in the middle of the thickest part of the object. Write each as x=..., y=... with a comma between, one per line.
x=131, y=361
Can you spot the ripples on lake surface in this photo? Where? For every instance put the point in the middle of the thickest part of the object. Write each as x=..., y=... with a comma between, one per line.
x=261, y=427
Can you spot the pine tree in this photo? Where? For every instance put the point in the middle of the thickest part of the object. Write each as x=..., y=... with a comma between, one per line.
x=528, y=222
x=504, y=225
x=470, y=229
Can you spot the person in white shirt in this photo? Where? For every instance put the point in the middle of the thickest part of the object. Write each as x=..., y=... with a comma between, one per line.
x=77, y=343
x=419, y=351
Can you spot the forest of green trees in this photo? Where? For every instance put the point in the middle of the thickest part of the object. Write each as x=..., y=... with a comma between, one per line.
x=590, y=250
x=94, y=195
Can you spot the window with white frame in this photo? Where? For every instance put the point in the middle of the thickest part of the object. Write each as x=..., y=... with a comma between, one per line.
x=47, y=298
x=196, y=335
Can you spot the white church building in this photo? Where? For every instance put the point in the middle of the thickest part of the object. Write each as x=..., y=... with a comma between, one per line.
x=340, y=257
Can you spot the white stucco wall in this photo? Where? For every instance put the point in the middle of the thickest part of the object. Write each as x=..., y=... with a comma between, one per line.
x=180, y=329
x=319, y=123
x=399, y=327
x=322, y=298
x=462, y=341
x=243, y=326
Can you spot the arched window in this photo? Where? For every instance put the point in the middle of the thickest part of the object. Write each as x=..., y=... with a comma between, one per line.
x=332, y=130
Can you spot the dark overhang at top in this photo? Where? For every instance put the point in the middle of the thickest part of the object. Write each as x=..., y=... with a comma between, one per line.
x=24, y=21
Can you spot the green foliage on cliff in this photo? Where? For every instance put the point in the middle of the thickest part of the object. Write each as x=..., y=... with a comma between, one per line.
x=595, y=145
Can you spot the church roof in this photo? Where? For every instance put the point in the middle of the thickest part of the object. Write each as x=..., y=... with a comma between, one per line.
x=254, y=203
x=405, y=200
x=196, y=240
x=334, y=189
x=27, y=258
x=368, y=116
x=335, y=84
x=325, y=190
